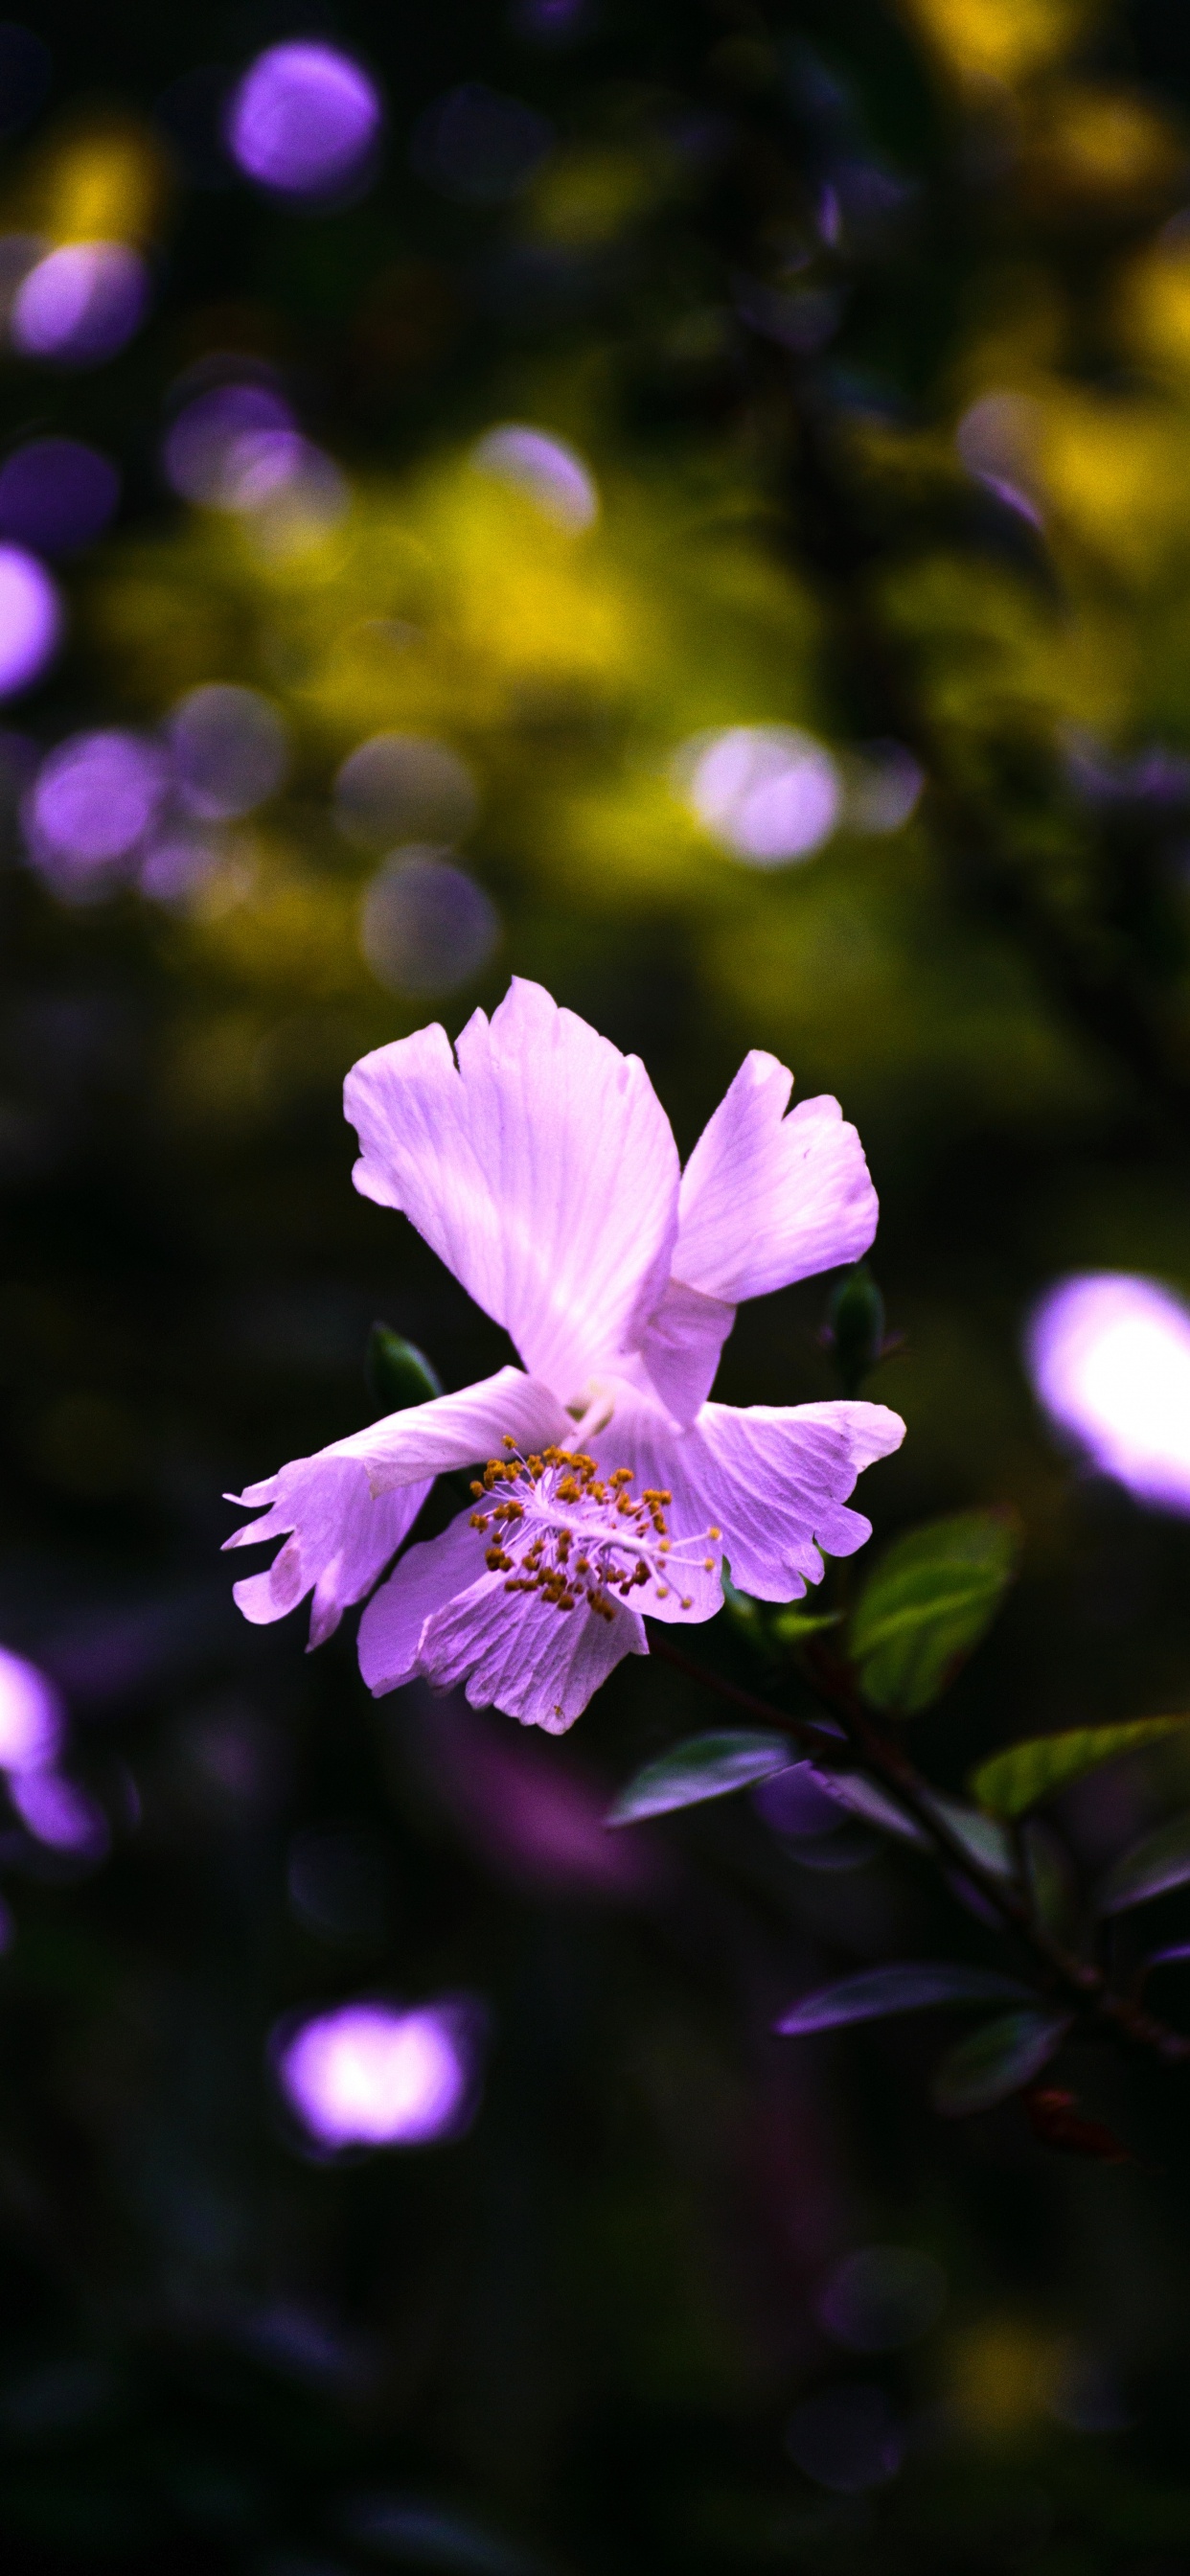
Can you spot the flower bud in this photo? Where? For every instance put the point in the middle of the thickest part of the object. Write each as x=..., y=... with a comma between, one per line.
x=855, y=1327
x=397, y=1373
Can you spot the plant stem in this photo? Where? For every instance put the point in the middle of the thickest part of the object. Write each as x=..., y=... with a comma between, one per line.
x=1083, y=1986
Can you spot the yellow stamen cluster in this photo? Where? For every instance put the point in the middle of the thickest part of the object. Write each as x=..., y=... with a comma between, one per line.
x=561, y=1529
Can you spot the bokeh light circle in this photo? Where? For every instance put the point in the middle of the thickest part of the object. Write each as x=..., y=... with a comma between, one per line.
x=1109, y=1357
x=770, y=793
x=369, y=2075
x=403, y=787
x=57, y=494
x=97, y=796
x=425, y=925
x=230, y=750
x=60, y=1814
x=32, y=1718
x=80, y=304
x=218, y=438
x=551, y=474
x=882, y=2298
x=304, y=119
x=31, y=619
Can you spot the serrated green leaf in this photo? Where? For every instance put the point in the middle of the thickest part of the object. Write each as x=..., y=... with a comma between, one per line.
x=999, y=2058
x=911, y=1985
x=1159, y=1862
x=1018, y=1779
x=704, y=1766
x=927, y=1605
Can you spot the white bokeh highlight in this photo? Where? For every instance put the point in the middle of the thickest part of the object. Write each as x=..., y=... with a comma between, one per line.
x=32, y=1717
x=1108, y=1354
x=770, y=793
x=31, y=619
x=371, y=2075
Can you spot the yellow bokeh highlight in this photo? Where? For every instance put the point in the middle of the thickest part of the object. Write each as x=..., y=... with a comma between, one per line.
x=586, y=197
x=1000, y=40
x=1117, y=473
x=1089, y=141
x=1002, y=2377
x=1153, y=308
x=110, y=182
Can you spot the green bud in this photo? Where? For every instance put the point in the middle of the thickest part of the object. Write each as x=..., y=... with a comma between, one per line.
x=855, y=1327
x=397, y=1373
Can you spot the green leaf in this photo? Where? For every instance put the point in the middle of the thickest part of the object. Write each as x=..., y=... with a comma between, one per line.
x=855, y=1326
x=927, y=1605
x=984, y=1841
x=397, y=1373
x=1050, y=1881
x=1161, y=1861
x=704, y=1766
x=770, y=1631
x=1014, y=1781
x=912, y=1985
x=790, y=1626
x=865, y=1798
x=997, y=2059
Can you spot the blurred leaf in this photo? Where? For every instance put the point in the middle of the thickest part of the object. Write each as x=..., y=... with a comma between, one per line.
x=997, y=2059
x=790, y=1626
x=704, y=1766
x=398, y=1374
x=1160, y=1861
x=765, y=1629
x=423, y=2535
x=1016, y=1780
x=864, y=1797
x=855, y=1327
x=985, y=1842
x=1050, y=1881
x=908, y=1987
x=927, y=1605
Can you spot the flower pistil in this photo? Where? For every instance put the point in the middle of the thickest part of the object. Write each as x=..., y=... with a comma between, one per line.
x=560, y=1528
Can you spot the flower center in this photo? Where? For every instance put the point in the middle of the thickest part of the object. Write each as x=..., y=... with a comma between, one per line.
x=560, y=1528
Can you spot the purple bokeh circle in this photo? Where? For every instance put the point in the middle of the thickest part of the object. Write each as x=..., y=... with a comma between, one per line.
x=97, y=796
x=81, y=304
x=368, y=2075
x=56, y=494
x=30, y=619
x=304, y=119
x=32, y=1719
x=1109, y=1357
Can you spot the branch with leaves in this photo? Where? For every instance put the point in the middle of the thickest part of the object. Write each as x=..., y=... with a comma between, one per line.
x=923, y=1610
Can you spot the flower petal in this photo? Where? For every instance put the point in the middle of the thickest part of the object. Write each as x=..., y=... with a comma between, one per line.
x=773, y=1479
x=541, y=1169
x=681, y=1345
x=767, y=1199
x=518, y=1653
x=342, y=1538
x=345, y=1511
x=427, y=1577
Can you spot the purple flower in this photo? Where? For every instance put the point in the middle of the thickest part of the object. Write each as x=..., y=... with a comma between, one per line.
x=541, y=1167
